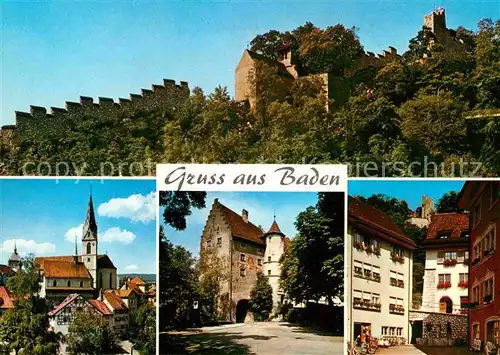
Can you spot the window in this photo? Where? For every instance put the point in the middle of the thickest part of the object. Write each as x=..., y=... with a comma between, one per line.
x=111, y=281
x=452, y=255
x=259, y=251
x=259, y=262
x=269, y=272
x=476, y=214
x=495, y=192
x=217, y=229
x=68, y=283
x=269, y=259
x=54, y=283
x=398, y=251
x=243, y=245
x=399, y=331
x=385, y=330
x=489, y=240
x=463, y=277
x=493, y=331
x=465, y=234
x=209, y=243
x=219, y=242
x=375, y=298
x=440, y=258
x=444, y=278
x=464, y=300
x=242, y=272
x=89, y=248
x=475, y=331
x=88, y=259
x=444, y=234
x=81, y=283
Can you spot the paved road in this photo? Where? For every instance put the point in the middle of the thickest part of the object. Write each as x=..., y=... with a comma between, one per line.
x=400, y=350
x=279, y=338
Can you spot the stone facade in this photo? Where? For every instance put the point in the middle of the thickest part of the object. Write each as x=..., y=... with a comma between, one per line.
x=241, y=247
x=167, y=97
x=440, y=329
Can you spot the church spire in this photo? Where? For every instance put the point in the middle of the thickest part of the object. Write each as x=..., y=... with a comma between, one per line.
x=75, y=257
x=90, y=225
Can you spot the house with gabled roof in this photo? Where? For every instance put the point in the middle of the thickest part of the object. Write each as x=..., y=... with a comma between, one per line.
x=446, y=274
x=62, y=314
x=245, y=249
x=379, y=265
x=120, y=311
x=6, y=300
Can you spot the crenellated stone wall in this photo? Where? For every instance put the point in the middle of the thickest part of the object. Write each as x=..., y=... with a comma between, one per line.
x=165, y=97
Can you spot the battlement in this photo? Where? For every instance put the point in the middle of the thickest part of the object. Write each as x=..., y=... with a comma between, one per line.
x=436, y=21
x=165, y=96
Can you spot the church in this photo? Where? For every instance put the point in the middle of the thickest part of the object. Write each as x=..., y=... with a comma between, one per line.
x=87, y=274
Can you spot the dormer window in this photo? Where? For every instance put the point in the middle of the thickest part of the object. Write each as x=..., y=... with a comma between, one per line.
x=444, y=234
x=465, y=234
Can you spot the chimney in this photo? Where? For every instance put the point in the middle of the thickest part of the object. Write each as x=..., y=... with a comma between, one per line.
x=216, y=200
x=244, y=214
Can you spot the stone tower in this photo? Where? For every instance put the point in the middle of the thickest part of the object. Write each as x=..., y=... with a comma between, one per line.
x=436, y=21
x=284, y=54
x=89, y=242
x=275, y=247
x=15, y=260
x=427, y=207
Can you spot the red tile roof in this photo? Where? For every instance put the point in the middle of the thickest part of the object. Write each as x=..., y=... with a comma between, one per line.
x=274, y=228
x=361, y=212
x=63, y=304
x=240, y=228
x=6, y=301
x=6, y=270
x=138, y=281
x=456, y=223
x=103, y=261
x=101, y=307
x=287, y=242
x=65, y=269
x=114, y=300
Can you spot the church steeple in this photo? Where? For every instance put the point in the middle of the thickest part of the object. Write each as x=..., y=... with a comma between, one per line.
x=14, y=260
x=90, y=241
x=90, y=225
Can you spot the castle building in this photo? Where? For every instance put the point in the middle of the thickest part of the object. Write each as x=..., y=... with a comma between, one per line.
x=84, y=274
x=446, y=274
x=243, y=249
x=380, y=266
x=482, y=200
x=421, y=217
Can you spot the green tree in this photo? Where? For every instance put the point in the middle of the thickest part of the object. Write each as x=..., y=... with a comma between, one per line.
x=146, y=323
x=88, y=334
x=448, y=203
x=261, y=298
x=430, y=116
x=312, y=267
x=25, y=328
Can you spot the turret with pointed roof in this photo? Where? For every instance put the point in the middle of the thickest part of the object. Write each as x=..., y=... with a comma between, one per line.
x=15, y=260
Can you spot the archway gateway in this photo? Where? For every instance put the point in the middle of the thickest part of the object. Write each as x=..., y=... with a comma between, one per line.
x=445, y=305
x=242, y=310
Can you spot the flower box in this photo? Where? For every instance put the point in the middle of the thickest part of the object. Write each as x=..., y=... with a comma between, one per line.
x=488, y=299
x=376, y=251
x=358, y=271
x=450, y=262
x=463, y=284
x=376, y=277
x=397, y=258
x=401, y=283
x=359, y=246
x=443, y=285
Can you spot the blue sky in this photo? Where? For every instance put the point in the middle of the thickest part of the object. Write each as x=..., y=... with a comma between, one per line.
x=261, y=207
x=410, y=191
x=55, y=51
x=43, y=217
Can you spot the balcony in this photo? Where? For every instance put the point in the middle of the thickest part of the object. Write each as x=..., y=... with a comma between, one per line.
x=443, y=285
x=397, y=258
x=396, y=309
x=450, y=262
x=366, y=305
